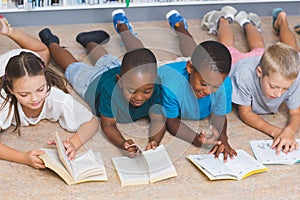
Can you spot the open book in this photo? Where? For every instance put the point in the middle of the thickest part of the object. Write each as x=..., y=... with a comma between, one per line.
x=85, y=167
x=238, y=168
x=265, y=154
x=147, y=167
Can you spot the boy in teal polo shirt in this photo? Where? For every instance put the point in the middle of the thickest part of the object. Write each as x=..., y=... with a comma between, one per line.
x=198, y=88
x=116, y=91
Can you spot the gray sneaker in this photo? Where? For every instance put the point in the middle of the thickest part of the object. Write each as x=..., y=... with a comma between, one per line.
x=211, y=19
x=254, y=18
x=242, y=17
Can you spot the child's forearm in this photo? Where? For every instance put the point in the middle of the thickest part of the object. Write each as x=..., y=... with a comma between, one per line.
x=182, y=131
x=157, y=128
x=255, y=121
x=294, y=120
x=86, y=131
x=109, y=128
x=9, y=154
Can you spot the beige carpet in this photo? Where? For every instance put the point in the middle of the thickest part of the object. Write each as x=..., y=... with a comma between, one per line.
x=23, y=182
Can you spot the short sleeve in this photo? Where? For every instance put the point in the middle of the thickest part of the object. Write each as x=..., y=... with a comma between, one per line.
x=170, y=103
x=221, y=100
x=74, y=115
x=105, y=104
x=241, y=93
x=292, y=99
x=6, y=117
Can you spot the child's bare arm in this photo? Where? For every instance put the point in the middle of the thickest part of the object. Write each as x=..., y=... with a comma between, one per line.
x=285, y=141
x=220, y=123
x=86, y=131
x=157, y=131
x=27, y=158
x=109, y=127
x=177, y=128
x=250, y=118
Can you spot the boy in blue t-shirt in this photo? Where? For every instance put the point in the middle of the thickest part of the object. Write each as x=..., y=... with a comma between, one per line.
x=198, y=88
x=116, y=92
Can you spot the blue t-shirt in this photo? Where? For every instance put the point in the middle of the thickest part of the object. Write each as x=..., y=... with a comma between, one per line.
x=105, y=97
x=179, y=99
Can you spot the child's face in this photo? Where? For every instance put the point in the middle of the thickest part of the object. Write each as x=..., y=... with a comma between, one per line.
x=30, y=91
x=205, y=83
x=137, y=87
x=273, y=85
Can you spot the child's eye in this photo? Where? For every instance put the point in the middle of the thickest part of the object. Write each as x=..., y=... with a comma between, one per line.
x=203, y=84
x=23, y=95
x=147, y=91
x=272, y=86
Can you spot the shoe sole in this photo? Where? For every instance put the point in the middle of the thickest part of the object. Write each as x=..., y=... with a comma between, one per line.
x=118, y=11
x=170, y=13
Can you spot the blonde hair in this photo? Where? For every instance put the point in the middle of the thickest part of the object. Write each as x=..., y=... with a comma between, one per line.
x=282, y=59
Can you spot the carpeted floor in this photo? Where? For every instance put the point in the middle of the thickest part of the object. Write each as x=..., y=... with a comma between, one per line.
x=23, y=182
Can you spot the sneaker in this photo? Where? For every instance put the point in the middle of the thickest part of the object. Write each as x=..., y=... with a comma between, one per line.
x=175, y=18
x=5, y=28
x=212, y=20
x=100, y=37
x=47, y=37
x=119, y=17
x=241, y=18
x=230, y=12
x=255, y=20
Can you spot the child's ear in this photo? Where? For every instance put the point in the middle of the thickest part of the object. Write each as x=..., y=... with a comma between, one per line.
x=118, y=78
x=259, y=71
x=189, y=67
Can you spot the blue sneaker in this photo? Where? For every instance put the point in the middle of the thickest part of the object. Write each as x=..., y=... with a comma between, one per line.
x=174, y=17
x=119, y=17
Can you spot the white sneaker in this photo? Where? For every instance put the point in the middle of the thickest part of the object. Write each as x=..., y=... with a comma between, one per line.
x=230, y=12
x=241, y=18
x=254, y=18
x=211, y=19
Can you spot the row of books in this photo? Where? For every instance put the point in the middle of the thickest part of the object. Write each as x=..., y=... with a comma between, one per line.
x=30, y=4
x=156, y=165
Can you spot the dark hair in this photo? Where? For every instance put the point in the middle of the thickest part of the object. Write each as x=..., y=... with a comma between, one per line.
x=26, y=64
x=212, y=55
x=142, y=60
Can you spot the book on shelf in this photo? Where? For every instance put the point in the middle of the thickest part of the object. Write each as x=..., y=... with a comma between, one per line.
x=147, y=167
x=242, y=166
x=87, y=166
x=265, y=154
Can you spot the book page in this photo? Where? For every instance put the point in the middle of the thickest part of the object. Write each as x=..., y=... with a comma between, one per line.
x=131, y=171
x=86, y=165
x=62, y=154
x=264, y=153
x=52, y=161
x=240, y=167
x=213, y=168
x=244, y=165
x=160, y=164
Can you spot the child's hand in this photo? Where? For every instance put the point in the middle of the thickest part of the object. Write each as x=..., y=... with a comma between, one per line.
x=70, y=149
x=285, y=142
x=131, y=149
x=210, y=137
x=33, y=160
x=224, y=148
x=151, y=145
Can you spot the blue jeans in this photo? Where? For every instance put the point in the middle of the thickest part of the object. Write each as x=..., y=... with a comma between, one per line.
x=80, y=75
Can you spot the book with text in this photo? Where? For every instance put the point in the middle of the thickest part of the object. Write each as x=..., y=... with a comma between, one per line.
x=85, y=167
x=147, y=167
x=242, y=166
x=265, y=154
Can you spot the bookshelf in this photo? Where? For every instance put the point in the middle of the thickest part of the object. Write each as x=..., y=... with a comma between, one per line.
x=98, y=11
